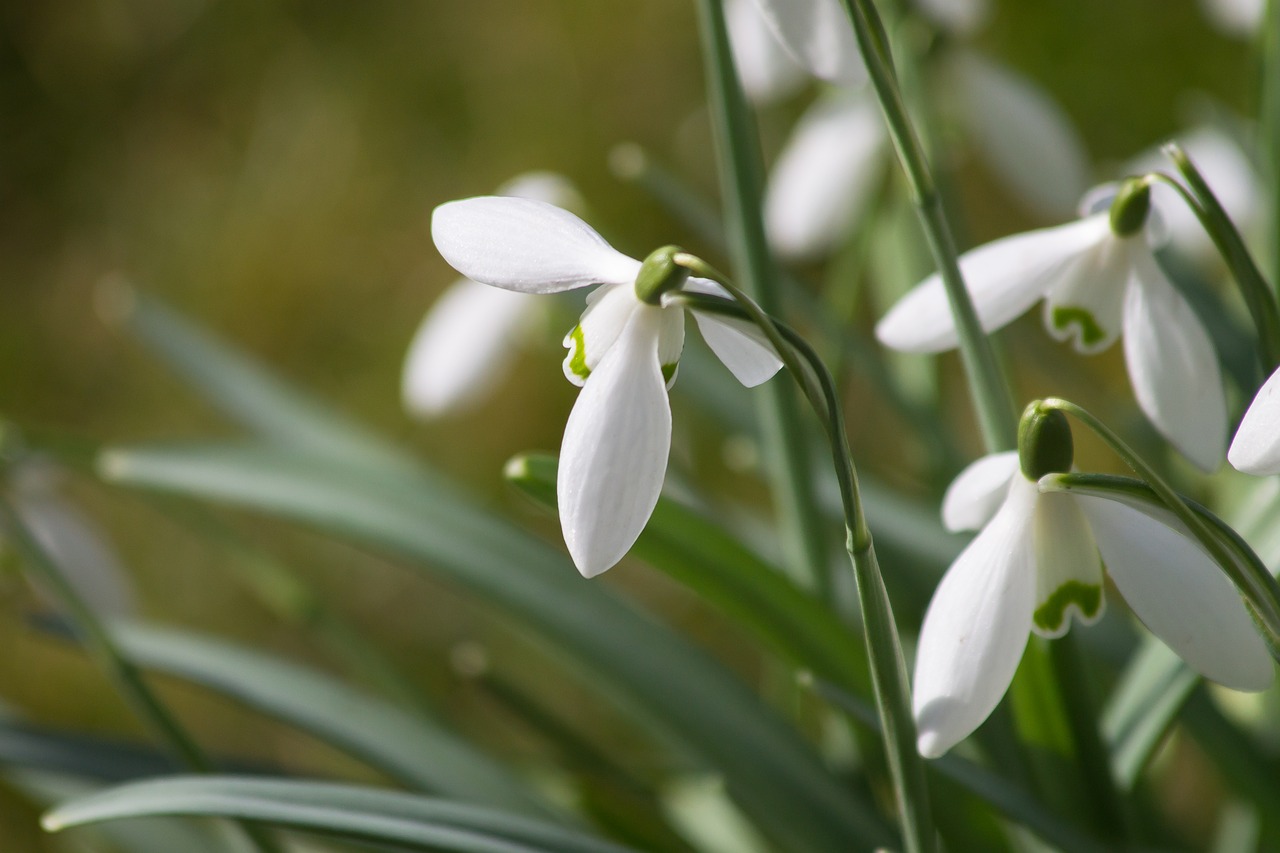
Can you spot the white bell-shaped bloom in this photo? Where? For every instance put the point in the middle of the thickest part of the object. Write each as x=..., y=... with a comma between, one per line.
x=623, y=353
x=1094, y=284
x=1256, y=447
x=1037, y=563
x=959, y=17
x=1235, y=17
x=470, y=338
x=826, y=174
x=1227, y=170
x=1021, y=133
x=819, y=35
x=767, y=70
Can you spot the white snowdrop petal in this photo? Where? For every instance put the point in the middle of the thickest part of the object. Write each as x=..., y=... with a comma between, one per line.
x=1005, y=278
x=976, y=627
x=819, y=34
x=766, y=70
x=1180, y=594
x=525, y=245
x=670, y=342
x=826, y=174
x=961, y=17
x=739, y=344
x=1024, y=137
x=608, y=311
x=1086, y=304
x=1068, y=568
x=463, y=347
x=977, y=492
x=1173, y=366
x=614, y=455
x=1235, y=17
x=1256, y=447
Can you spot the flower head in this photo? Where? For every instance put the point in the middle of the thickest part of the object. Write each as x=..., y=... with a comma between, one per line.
x=623, y=352
x=1037, y=563
x=1097, y=277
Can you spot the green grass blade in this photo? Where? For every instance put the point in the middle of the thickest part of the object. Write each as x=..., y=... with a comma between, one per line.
x=345, y=811
x=653, y=674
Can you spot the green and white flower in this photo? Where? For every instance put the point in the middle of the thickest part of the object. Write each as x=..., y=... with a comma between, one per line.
x=1037, y=563
x=1095, y=283
x=623, y=352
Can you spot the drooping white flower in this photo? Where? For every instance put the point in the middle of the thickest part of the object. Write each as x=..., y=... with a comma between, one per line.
x=767, y=70
x=1037, y=563
x=1256, y=447
x=623, y=352
x=819, y=34
x=471, y=336
x=1095, y=283
x=960, y=17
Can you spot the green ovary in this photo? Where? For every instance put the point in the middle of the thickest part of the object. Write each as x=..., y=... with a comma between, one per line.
x=1086, y=597
x=1067, y=316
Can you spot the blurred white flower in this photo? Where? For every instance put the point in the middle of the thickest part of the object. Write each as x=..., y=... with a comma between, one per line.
x=767, y=71
x=470, y=337
x=819, y=35
x=76, y=545
x=1235, y=17
x=623, y=352
x=1256, y=447
x=1038, y=561
x=961, y=17
x=1227, y=170
x=1094, y=283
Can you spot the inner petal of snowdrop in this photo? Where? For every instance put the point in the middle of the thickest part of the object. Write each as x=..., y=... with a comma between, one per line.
x=1086, y=304
x=608, y=309
x=1068, y=568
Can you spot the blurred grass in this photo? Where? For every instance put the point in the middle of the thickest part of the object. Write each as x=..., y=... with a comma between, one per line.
x=270, y=167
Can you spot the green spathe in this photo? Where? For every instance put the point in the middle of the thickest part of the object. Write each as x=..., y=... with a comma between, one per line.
x=1130, y=207
x=1044, y=442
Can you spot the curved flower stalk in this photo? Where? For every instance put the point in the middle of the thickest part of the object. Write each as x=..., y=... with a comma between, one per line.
x=1225, y=167
x=623, y=353
x=1097, y=277
x=1037, y=563
x=1256, y=446
x=470, y=337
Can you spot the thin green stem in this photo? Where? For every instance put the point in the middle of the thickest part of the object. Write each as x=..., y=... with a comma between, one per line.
x=991, y=396
x=888, y=667
x=127, y=677
x=1217, y=224
x=1258, y=586
x=741, y=182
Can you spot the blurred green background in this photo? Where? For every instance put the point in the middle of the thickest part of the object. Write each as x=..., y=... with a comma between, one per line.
x=269, y=168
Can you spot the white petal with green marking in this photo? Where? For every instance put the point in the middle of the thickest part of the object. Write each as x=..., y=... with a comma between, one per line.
x=1086, y=301
x=1068, y=568
x=608, y=310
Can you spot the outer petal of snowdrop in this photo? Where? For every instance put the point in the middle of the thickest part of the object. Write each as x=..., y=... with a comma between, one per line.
x=976, y=493
x=1256, y=447
x=824, y=177
x=1173, y=366
x=1025, y=138
x=462, y=347
x=976, y=627
x=526, y=245
x=818, y=34
x=740, y=345
x=616, y=443
x=768, y=72
x=1180, y=594
x=1005, y=278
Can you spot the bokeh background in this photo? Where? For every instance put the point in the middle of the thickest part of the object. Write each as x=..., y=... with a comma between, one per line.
x=268, y=168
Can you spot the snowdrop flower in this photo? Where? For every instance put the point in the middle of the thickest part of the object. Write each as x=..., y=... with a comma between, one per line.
x=767, y=70
x=1235, y=17
x=819, y=35
x=1256, y=447
x=623, y=352
x=470, y=337
x=1038, y=563
x=1097, y=276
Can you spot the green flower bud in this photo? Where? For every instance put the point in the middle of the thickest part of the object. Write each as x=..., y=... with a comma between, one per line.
x=660, y=274
x=1044, y=442
x=1130, y=207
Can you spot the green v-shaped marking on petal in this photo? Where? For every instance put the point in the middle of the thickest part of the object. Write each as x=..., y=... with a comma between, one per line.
x=1066, y=316
x=1086, y=597
x=578, y=359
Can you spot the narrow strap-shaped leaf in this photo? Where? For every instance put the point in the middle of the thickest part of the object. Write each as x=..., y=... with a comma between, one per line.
x=346, y=811
x=656, y=676
x=409, y=748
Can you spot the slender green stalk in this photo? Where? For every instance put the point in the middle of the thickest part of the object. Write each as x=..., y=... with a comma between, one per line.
x=1217, y=224
x=128, y=678
x=990, y=392
x=1269, y=127
x=884, y=649
x=1258, y=585
x=741, y=183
